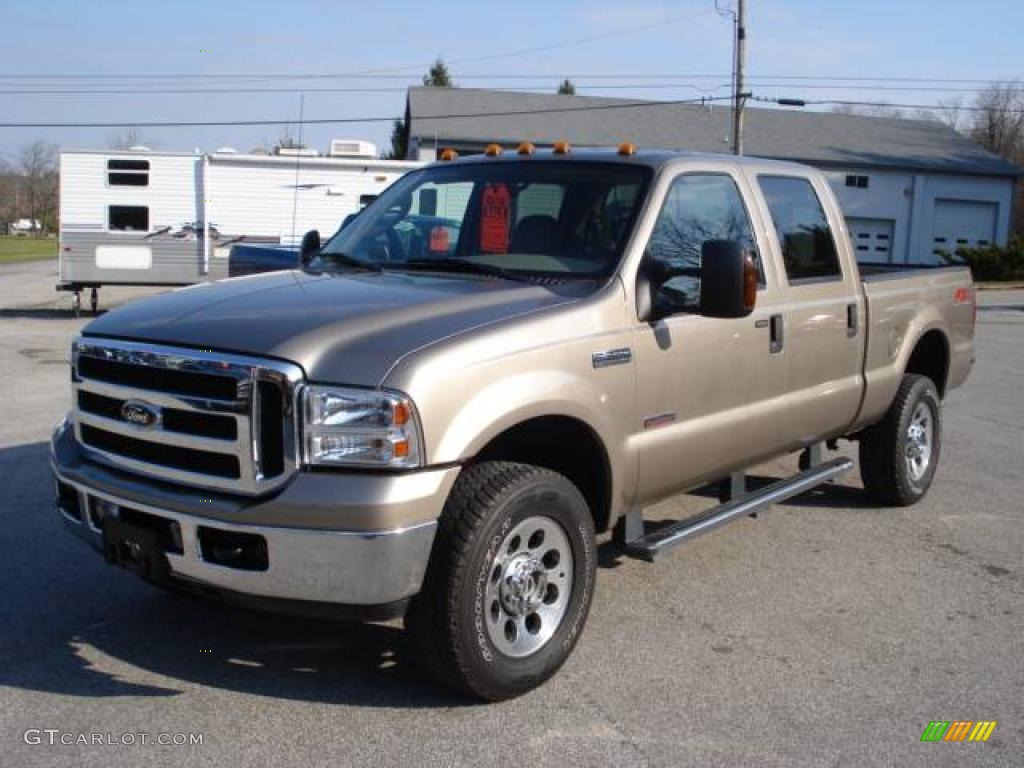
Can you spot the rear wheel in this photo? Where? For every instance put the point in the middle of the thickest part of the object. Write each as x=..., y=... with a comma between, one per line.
x=509, y=583
x=899, y=455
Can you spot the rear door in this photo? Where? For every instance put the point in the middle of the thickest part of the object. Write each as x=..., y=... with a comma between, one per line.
x=822, y=311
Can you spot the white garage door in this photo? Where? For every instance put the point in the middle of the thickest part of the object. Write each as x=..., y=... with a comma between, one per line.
x=872, y=238
x=962, y=224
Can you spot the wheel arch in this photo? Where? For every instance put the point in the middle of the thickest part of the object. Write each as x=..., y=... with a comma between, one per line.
x=563, y=444
x=930, y=357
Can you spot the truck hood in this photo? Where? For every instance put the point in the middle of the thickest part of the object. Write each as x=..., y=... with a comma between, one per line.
x=341, y=327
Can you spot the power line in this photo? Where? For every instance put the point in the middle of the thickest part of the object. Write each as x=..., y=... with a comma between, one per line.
x=669, y=21
x=372, y=75
x=884, y=104
x=375, y=119
x=541, y=87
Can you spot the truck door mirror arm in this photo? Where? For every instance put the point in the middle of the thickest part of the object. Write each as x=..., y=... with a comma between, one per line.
x=310, y=246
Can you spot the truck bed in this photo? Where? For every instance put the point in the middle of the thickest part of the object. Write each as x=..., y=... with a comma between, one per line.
x=904, y=302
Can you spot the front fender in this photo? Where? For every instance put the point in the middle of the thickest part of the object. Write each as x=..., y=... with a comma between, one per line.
x=515, y=399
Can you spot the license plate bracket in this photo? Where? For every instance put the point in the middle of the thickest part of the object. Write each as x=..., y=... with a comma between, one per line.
x=135, y=548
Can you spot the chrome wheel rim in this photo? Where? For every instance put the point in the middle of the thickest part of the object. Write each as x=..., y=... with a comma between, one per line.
x=529, y=586
x=920, y=437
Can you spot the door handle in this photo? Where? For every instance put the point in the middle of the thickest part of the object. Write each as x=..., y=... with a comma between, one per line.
x=851, y=320
x=775, y=332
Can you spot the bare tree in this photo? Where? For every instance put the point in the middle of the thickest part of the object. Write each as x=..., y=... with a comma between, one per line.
x=37, y=165
x=998, y=123
x=126, y=139
x=8, y=193
x=287, y=141
x=951, y=113
x=869, y=110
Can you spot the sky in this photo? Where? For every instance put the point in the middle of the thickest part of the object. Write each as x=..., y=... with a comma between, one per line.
x=658, y=50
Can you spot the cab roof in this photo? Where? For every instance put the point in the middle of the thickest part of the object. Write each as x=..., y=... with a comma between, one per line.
x=656, y=159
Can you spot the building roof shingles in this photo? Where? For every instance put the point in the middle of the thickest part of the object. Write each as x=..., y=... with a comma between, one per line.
x=466, y=115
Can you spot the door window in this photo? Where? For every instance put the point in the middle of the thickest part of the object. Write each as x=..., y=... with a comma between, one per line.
x=808, y=248
x=698, y=208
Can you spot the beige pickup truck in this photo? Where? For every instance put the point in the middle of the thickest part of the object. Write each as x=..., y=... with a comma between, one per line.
x=498, y=360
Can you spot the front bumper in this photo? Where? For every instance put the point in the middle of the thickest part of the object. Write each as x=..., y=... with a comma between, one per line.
x=340, y=559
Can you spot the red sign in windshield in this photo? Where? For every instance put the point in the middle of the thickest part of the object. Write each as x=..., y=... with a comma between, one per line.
x=497, y=200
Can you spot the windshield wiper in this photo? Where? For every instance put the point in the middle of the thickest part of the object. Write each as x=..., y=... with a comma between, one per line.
x=460, y=265
x=349, y=261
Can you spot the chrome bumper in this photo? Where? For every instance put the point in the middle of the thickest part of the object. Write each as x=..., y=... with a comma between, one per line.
x=331, y=566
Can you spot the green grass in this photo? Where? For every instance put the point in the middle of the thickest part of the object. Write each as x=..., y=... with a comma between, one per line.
x=14, y=248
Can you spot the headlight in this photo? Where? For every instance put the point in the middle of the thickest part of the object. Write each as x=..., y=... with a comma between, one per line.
x=359, y=427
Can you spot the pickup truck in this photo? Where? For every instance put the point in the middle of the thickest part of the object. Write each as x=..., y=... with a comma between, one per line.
x=438, y=426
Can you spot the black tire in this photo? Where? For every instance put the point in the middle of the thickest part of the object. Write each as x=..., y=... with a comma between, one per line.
x=448, y=619
x=885, y=465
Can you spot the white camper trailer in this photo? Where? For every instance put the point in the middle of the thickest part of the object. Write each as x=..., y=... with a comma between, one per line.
x=139, y=217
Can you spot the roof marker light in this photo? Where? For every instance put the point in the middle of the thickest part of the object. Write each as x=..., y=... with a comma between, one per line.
x=561, y=148
x=448, y=154
x=627, y=148
x=526, y=148
x=493, y=150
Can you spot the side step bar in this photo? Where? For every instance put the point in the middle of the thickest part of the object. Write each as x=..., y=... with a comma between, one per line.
x=651, y=545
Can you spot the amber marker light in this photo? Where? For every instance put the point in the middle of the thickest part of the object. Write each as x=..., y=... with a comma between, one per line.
x=400, y=414
x=493, y=150
x=627, y=148
x=448, y=154
x=561, y=148
x=526, y=148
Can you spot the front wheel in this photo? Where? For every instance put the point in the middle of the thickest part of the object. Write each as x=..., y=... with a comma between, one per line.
x=510, y=581
x=899, y=455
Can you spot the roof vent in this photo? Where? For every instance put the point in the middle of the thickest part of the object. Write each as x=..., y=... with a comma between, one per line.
x=227, y=151
x=353, y=148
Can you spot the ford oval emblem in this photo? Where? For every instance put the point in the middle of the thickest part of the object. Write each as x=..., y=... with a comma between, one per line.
x=140, y=414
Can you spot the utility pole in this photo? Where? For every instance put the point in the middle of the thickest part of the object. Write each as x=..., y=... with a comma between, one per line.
x=739, y=97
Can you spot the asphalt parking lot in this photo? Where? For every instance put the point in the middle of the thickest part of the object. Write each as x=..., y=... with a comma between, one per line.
x=825, y=632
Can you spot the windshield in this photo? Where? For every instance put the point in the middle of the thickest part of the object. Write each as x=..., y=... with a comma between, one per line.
x=524, y=218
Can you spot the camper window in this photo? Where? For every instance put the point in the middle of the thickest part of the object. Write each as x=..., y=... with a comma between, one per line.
x=128, y=218
x=128, y=173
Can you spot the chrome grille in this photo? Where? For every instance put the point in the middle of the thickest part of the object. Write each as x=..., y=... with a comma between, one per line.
x=209, y=420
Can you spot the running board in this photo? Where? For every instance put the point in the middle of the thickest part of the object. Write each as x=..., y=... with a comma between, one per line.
x=651, y=545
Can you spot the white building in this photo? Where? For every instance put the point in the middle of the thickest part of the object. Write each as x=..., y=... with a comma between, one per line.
x=910, y=189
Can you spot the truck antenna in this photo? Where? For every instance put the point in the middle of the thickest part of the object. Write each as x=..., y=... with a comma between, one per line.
x=298, y=160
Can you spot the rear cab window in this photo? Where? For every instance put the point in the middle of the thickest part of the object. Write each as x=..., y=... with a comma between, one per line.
x=809, y=251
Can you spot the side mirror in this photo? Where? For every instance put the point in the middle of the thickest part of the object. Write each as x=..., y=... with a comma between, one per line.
x=347, y=220
x=728, y=280
x=310, y=246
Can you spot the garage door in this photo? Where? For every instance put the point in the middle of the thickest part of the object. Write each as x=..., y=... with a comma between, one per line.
x=961, y=224
x=872, y=238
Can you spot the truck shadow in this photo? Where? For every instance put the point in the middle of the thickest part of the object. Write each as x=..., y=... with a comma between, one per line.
x=78, y=627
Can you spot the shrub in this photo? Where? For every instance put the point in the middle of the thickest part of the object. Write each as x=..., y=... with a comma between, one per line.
x=993, y=262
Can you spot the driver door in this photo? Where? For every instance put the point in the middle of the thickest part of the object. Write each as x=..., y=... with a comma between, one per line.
x=709, y=390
